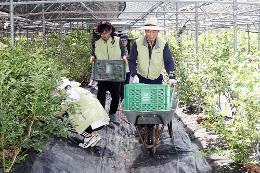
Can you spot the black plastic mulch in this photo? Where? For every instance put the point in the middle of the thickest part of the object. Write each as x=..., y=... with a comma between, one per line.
x=119, y=151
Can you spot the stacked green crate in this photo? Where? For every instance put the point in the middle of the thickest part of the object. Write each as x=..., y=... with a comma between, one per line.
x=146, y=97
x=109, y=70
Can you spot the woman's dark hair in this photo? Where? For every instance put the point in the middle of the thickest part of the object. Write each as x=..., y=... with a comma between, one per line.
x=103, y=26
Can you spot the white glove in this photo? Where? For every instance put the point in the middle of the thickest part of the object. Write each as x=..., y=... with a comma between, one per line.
x=172, y=82
x=134, y=79
x=125, y=58
x=92, y=59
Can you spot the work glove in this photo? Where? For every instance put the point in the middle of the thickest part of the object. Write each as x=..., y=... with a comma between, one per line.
x=125, y=58
x=134, y=79
x=92, y=59
x=172, y=82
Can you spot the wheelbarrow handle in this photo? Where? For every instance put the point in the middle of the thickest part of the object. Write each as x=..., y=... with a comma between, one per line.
x=173, y=97
x=172, y=92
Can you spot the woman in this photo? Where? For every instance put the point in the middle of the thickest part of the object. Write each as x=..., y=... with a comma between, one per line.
x=89, y=115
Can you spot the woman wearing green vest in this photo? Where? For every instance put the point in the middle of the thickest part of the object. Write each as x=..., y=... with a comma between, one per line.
x=148, y=56
x=107, y=47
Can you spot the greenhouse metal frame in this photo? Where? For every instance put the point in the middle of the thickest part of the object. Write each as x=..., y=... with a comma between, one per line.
x=197, y=16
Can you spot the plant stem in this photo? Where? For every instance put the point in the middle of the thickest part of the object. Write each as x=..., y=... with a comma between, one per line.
x=16, y=152
x=2, y=146
x=30, y=129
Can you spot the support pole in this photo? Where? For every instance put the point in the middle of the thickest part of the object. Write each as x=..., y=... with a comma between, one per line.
x=235, y=25
x=196, y=29
x=177, y=22
x=12, y=21
x=43, y=28
x=196, y=46
x=61, y=34
x=27, y=36
x=61, y=26
x=164, y=24
x=259, y=29
x=248, y=40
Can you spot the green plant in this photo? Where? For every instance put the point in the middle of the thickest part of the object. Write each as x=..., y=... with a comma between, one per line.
x=5, y=40
x=29, y=103
x=214, y=73
x=72, y=52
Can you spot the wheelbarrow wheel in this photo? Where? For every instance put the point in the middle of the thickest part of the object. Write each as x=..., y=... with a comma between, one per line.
x=152, y=150
x=170, y=129
x=153, y=134
x=150, y=136
x=151, y=140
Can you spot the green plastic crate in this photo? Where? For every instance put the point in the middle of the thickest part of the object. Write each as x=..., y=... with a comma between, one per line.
x=109, y=70
x=146, y=97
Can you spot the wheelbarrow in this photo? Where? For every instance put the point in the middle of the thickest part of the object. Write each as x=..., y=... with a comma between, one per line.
x=150, y=124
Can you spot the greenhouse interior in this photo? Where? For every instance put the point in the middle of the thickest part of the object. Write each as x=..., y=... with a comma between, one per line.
x=203, y=114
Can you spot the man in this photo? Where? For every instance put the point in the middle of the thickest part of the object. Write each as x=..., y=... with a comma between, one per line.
x=148, y=56
x=107, y=47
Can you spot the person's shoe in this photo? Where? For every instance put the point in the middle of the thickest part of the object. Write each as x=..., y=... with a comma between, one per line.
x=110, y=125
x=98, y=138
x=85, y=142
x=113, y=119
x=86, y=134
x=90, y=141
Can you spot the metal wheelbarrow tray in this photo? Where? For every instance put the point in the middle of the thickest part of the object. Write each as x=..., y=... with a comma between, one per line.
x=150, y=117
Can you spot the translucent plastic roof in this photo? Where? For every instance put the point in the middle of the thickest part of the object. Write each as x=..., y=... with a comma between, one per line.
x=130, y=14
x=209, y=15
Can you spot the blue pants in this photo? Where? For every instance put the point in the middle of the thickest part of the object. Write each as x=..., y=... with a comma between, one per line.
x=149, y=81
x=123, y=84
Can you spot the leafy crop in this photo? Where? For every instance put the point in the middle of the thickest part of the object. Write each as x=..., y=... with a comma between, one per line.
x=72, y=51
x=225, y=86
x=29, y=103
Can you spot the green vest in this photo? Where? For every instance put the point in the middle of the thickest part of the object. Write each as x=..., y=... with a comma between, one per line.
x=150, y=68
x=105, y=50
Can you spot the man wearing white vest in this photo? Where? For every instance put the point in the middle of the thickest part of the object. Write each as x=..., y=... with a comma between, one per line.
x=107, y=47
x=148, y=56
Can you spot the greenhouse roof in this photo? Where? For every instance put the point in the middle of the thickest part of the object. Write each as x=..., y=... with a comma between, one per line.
x=130, y=14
